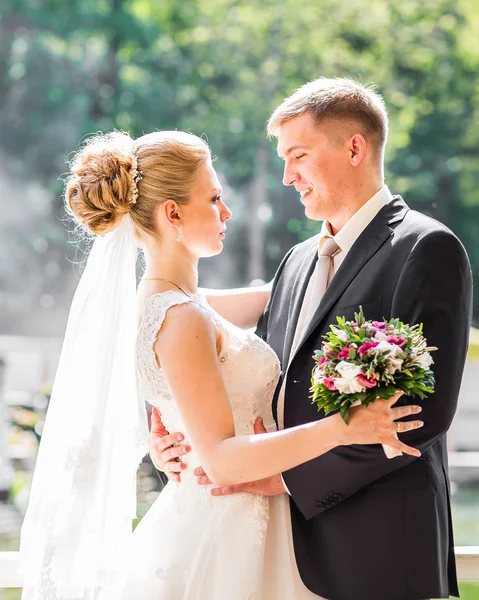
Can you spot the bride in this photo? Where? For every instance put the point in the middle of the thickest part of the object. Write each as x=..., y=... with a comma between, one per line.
x=209, y=378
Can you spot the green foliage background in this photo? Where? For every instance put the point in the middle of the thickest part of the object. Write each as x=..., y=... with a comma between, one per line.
x=219, y=67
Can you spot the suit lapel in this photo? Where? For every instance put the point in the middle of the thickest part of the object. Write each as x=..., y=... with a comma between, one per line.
x=368, y=243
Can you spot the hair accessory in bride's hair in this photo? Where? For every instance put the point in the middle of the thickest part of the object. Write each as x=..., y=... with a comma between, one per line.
x=135, y=178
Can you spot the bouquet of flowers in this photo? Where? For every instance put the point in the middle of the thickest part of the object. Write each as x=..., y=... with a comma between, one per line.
x=362, y=361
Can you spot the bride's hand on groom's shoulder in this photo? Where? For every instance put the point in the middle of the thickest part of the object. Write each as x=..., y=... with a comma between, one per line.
x=166, y=448
x=271, y=486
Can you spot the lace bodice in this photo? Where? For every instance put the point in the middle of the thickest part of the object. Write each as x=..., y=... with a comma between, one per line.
x=249, y=367
x=192, y=544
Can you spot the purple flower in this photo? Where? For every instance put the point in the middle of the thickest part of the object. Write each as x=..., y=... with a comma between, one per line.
x=345, y=352
x=329, y=383
x=369, y=383
x=364, y=349
x=379, y=324
x=394, y=339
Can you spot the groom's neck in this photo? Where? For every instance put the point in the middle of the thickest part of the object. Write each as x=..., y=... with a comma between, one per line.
x=351, y=201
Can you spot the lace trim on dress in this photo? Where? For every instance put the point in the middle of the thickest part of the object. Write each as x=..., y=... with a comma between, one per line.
x=154, y=314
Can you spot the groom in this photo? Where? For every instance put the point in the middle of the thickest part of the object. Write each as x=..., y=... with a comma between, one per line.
x=364, y=527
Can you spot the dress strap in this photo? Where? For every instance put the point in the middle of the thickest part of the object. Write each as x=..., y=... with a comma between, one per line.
x=155, y=311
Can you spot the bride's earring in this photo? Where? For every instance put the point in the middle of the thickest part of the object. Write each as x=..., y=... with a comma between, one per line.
x=178, y=237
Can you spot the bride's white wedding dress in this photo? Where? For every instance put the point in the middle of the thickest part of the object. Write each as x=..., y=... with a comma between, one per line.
x=191, y=545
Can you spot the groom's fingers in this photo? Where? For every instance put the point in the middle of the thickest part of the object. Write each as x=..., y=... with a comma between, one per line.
x=157, y=426
x=259, y=426
x=201, y=476
x=167, y=441
x=172, y=453
x=230, y=489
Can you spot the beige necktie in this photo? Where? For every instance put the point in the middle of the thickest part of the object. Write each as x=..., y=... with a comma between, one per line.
x=317, y=285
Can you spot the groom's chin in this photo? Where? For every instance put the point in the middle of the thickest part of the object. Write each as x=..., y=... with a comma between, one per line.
x=312, y=212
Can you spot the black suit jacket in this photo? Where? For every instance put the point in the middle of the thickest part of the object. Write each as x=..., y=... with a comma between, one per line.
x=365, y=527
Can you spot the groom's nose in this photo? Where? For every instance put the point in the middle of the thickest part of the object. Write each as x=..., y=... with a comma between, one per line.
x=289, y=177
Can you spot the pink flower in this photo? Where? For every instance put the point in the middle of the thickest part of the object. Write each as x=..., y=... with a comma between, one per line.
x=323, y=360
x=369, y=383
x=329, y=383
x=379, y=324
x=345, y=352
x=364, y=349
x=394, y=339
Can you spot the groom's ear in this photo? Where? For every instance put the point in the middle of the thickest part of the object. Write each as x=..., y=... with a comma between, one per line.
x=357, y=147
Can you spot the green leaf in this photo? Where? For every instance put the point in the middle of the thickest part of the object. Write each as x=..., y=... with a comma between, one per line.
x=344, y=412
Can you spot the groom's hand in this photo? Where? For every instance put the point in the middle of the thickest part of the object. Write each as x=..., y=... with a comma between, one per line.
x=166, y=449
x=271, y=486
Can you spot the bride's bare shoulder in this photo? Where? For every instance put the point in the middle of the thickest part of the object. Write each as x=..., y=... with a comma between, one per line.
x=186, y=324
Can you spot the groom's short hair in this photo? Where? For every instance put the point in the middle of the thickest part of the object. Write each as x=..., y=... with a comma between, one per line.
x=337, y=99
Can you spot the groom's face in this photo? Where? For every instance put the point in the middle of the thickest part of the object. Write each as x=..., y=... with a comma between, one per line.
x=315, y=163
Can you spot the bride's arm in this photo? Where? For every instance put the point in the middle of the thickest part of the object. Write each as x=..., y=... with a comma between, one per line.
x=186, y=349
x=241, y=306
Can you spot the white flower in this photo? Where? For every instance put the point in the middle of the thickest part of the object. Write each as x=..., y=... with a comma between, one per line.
x=394, y=364
x=347, y=370
x=380, y=336
x=392, y=352
x=368, y=329
x=349, y=386
x=391, y=349
x=341, y=335
x=384, y=346
x=425, y=360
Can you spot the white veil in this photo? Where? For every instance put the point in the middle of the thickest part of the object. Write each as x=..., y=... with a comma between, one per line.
x=83, y=496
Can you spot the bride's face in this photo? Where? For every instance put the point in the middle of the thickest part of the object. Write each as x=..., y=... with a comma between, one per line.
x=203, y=219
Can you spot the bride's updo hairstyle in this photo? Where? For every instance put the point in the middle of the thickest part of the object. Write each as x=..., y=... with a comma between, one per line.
x=112, y=174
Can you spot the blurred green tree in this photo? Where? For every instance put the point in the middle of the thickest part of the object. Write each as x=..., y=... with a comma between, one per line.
x=218, y=68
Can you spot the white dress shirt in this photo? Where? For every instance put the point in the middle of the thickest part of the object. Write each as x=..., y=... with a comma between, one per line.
x=345, y=239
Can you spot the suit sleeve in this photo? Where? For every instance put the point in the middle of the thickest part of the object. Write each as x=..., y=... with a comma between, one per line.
x=434, y=288
x=262, y=327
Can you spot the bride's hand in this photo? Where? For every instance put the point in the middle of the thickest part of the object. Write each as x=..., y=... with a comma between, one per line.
x=378, y=424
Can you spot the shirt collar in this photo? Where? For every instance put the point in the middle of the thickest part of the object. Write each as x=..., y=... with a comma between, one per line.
x=352, y=229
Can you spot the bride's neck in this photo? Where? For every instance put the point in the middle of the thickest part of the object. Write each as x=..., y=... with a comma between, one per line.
x=177, y=267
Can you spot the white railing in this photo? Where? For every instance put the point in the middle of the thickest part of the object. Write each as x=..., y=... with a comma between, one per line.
x=467, y=565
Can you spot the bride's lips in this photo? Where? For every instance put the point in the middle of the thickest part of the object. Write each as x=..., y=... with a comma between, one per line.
x=223, y=233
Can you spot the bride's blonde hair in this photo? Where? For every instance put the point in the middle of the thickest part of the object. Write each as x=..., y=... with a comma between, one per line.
x=109, y=170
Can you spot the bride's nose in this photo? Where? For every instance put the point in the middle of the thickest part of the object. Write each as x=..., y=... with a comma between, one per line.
x=226, y=213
